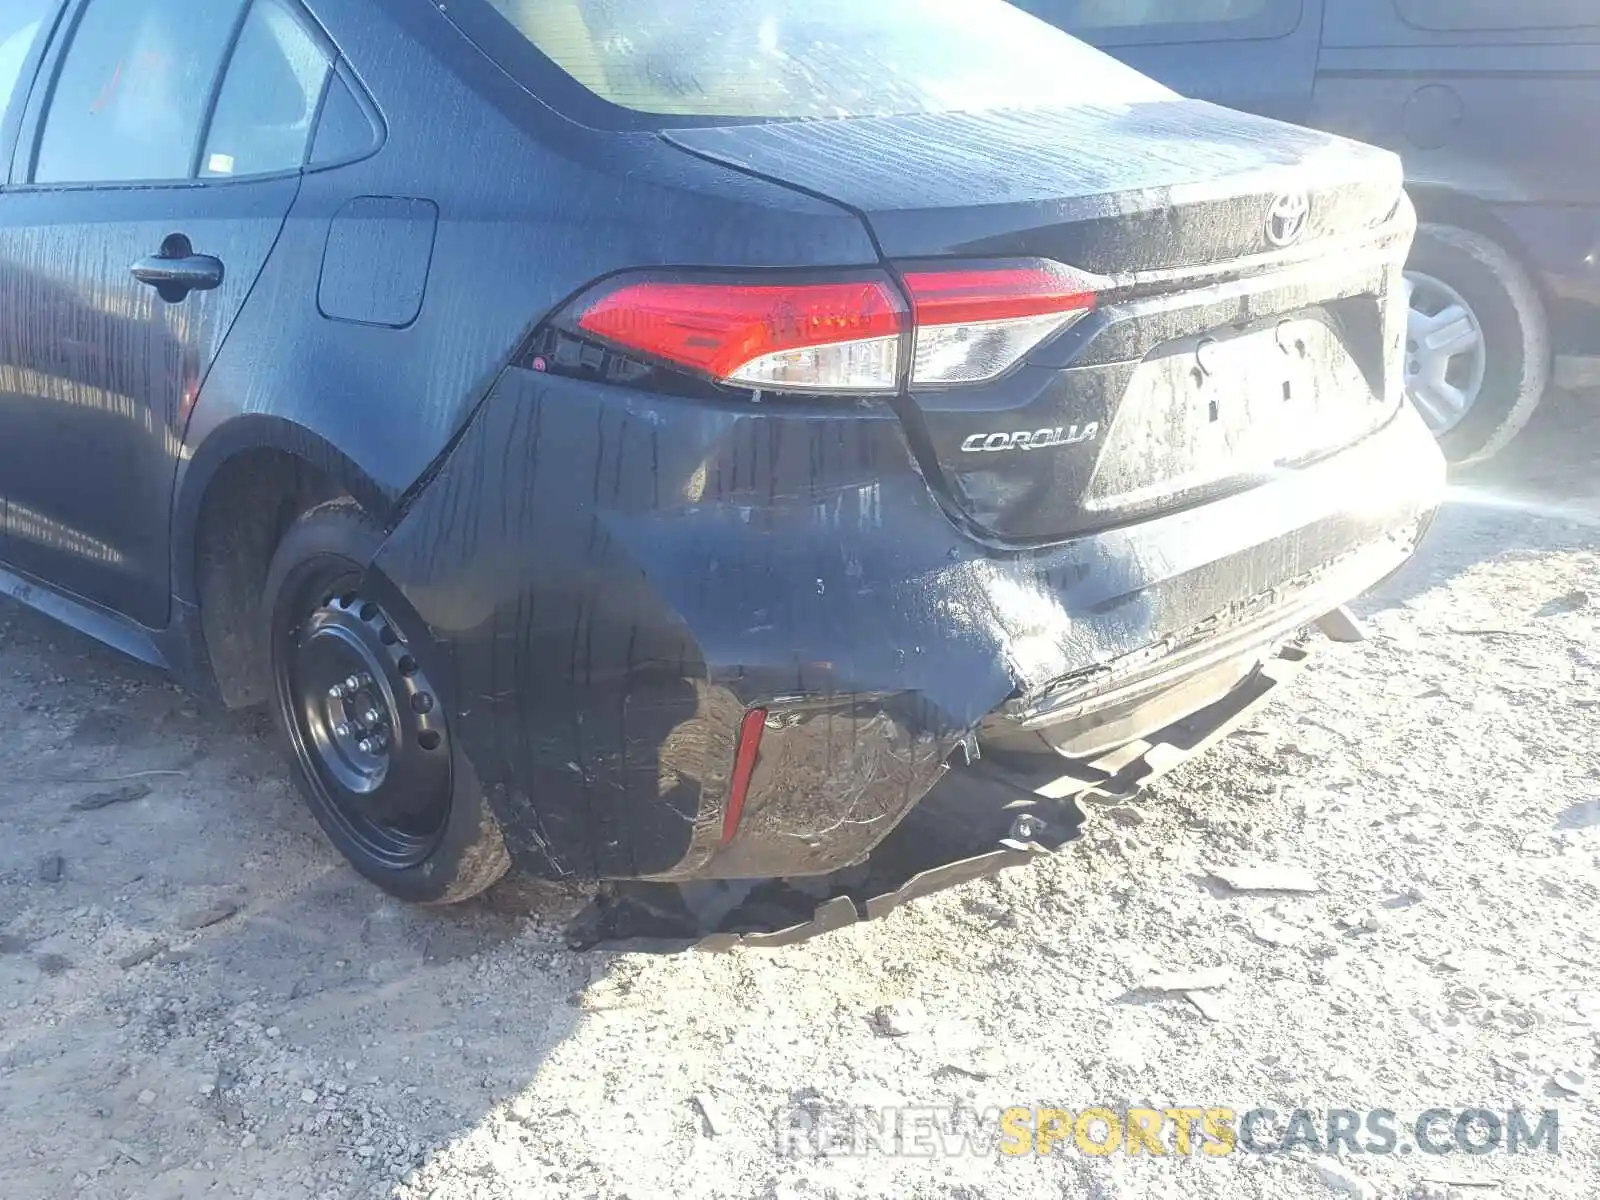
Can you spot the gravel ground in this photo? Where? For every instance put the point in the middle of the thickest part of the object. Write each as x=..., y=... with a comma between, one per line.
x=197, y=998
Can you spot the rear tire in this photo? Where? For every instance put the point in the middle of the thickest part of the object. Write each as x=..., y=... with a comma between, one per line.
x=368, y=730
x=1453, y=268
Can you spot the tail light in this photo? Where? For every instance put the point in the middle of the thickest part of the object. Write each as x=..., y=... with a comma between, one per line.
x=811, y=337
x=974, y=324
x=959, y=325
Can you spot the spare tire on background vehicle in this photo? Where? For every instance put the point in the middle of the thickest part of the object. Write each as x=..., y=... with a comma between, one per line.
x=1477, y=344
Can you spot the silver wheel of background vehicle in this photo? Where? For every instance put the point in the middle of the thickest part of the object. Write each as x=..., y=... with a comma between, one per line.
x=1446, y=358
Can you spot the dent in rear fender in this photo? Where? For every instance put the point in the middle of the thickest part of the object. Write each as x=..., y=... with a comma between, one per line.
x=616, y=577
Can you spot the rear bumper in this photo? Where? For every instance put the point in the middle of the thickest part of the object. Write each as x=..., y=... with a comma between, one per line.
x=612, y=578
x=1112, y=704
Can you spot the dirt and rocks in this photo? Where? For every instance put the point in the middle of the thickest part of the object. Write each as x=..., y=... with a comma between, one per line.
x=198, y=999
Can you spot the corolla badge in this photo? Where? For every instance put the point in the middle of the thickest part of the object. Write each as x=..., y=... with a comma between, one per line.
x=1287, y=218
x=1038, y=439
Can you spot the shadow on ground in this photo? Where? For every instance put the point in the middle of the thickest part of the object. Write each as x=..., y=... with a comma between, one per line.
x=196, y=996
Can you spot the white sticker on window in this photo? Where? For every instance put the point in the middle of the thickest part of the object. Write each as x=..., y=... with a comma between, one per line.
x=220, y=164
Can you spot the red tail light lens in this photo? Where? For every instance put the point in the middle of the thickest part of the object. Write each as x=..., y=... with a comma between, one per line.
x=835, y=336
x=744, y=765
x=975, y=323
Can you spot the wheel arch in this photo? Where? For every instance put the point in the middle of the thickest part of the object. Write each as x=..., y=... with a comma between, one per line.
x=1438, y=204
x=233, y=502
x=1513, y=298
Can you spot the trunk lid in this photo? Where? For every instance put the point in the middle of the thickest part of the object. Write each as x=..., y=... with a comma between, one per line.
x=1251, y=322
x=1112, y=189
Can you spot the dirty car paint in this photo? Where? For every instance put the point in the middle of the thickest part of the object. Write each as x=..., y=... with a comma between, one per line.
x=610, y=577
x=614, y=578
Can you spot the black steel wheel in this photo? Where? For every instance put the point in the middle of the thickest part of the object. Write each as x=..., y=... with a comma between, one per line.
x=369, y=730
x=367, y=726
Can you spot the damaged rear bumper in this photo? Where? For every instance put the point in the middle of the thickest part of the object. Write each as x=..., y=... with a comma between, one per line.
x=978, y=821
x=612, y=579
x=1111, y=704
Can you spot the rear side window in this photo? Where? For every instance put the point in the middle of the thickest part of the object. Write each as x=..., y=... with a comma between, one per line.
x=775, y=60
x=343, y=130
x=1126, y=21
x=130, y=97
x=1447, y=15
x=270, y=97
x=19, y=29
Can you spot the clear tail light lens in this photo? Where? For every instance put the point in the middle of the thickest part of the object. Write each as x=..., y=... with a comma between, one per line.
x=980, y=350
x=975, y=323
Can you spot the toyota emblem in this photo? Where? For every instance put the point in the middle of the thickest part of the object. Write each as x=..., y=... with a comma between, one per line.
x=1286, y=219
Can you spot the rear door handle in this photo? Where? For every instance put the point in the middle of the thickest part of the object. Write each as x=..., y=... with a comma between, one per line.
x=176, y=270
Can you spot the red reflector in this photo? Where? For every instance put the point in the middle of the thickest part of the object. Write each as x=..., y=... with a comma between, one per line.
x=744, y=765
x=972, y=296
x=719, y=327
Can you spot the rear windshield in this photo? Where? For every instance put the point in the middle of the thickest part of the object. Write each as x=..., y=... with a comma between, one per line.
x=802, y=59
